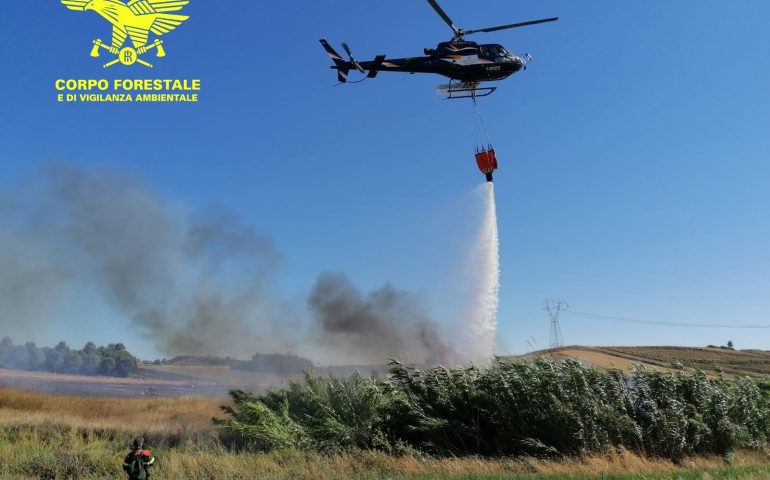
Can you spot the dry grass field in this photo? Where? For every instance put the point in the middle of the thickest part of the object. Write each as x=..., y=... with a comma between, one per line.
x=58, y=436
x=46, y=436
x=709, y=359
x=165, y=421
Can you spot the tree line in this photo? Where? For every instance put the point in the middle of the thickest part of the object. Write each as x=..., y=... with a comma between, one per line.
x=113, y=360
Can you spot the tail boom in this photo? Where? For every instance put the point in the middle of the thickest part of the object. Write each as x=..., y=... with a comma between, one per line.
x=372, y=68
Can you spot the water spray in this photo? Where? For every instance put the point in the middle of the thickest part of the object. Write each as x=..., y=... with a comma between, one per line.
x=486, y=298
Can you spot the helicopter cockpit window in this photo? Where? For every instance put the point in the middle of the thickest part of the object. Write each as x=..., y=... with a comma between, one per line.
x=497, y=51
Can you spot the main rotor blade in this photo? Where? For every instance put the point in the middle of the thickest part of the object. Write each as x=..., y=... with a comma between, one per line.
x=512, y=25
x=443, y=15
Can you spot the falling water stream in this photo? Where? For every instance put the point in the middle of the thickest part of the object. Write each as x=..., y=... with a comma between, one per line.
x=483, y=312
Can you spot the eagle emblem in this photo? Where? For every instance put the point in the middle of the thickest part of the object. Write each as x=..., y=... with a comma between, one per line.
x=134, y=20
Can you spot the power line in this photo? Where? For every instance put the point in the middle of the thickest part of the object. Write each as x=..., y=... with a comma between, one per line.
x=665, y=324
x=525, y=316
x=523, y=320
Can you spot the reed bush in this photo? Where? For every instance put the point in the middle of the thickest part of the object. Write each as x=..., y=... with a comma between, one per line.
x=541, y=408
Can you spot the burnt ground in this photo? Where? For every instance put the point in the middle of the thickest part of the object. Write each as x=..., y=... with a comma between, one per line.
x=145, y=383
x=166, y=381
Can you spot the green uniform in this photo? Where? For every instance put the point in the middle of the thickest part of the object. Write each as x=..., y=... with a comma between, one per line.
x=137, y=464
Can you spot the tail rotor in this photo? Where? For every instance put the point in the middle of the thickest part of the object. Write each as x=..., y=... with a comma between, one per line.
x=352, y=59
x=343, y=67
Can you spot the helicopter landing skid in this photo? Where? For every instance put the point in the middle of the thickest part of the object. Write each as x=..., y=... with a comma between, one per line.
x=458, y=90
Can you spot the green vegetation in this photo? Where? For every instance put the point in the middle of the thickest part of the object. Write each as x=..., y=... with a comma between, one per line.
x=53, y=459
x=113, y=360
x=545, y=408
x=45, y=436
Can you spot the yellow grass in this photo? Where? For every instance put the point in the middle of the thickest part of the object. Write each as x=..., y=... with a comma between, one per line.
x=89, y=437
x=164, y=419
x=293, y=464
x=596, y=358
x=710, y=360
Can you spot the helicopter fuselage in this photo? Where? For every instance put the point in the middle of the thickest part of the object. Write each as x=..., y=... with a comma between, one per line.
x=465, y=63
x=458, y=60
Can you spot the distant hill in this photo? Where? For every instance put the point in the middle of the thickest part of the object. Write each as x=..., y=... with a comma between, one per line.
x=709, y=359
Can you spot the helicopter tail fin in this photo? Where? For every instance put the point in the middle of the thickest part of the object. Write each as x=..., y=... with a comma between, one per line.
x=374, y=68
x=341, y=65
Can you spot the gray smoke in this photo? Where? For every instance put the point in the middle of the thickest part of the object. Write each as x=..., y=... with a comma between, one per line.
x=387, y=322
x=191, y=283
x=195, y=284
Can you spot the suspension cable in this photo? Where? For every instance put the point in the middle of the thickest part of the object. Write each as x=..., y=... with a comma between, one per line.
x=480, y=120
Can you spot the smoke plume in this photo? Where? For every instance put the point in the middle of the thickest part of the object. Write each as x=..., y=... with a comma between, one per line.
x=387, y=322
x=189, y=283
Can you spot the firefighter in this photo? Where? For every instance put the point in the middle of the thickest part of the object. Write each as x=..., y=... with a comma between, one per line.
x=138, y=461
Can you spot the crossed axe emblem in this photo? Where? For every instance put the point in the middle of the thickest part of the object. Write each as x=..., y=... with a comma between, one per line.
x=128, y=55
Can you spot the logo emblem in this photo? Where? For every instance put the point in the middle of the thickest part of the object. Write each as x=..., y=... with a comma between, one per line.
x=134, y=20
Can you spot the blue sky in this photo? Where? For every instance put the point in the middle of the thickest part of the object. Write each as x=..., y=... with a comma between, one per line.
x=633, y=151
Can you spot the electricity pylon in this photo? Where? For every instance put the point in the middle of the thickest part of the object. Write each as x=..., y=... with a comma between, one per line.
x=554, y=307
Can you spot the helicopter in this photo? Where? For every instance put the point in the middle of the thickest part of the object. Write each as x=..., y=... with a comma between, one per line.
x=467, y=64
